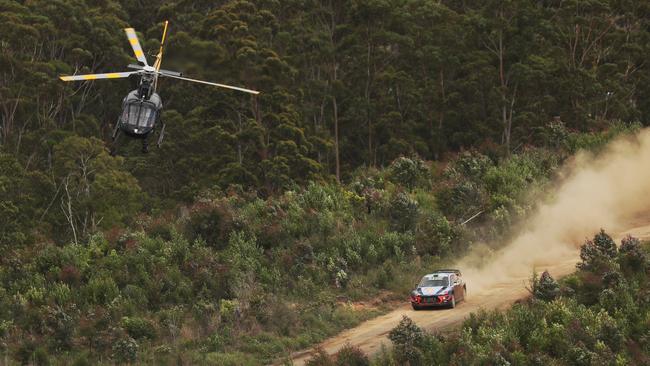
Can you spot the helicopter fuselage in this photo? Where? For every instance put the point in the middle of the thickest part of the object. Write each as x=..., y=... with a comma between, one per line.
x=139, y=114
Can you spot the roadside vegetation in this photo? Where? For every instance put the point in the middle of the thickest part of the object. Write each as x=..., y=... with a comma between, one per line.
x=597, y=316
x=236, y=279
x=389, y=137
x=233, y=278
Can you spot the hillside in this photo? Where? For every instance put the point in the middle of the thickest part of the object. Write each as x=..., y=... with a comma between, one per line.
x=390, y=136
x=596, y=316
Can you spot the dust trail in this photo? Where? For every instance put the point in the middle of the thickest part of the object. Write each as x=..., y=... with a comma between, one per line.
x=597, y=192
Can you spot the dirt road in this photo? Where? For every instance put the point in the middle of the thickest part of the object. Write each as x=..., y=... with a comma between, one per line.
x=370, y=335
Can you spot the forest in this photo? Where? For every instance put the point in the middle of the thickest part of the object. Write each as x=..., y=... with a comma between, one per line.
x=381, y=128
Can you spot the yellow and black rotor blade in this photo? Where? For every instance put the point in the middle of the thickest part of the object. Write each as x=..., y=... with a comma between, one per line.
x=135, y=44
x=110, y=75
x=158, y=62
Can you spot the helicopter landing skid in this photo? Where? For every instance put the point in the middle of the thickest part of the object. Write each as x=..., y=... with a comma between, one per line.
x=162, y=134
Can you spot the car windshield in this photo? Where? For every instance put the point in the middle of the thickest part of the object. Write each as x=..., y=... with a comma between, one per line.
x=434, y=282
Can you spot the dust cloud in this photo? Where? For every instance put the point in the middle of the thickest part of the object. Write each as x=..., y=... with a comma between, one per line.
x=593, y=192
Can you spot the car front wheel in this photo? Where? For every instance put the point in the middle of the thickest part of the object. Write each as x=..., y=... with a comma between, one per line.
x=453, y=301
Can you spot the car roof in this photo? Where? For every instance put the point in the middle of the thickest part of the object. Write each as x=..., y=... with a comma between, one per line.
x=437, y=275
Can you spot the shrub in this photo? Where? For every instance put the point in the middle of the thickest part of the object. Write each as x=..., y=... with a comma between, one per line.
x=434, y=235
x=125, y=350
x=62, y=326
x=597, y=252
x=137, y=295
x=277, y=316
x=408, y=172
x=101, y=290
x=229, y=310
x=403, y=212
x=320, y=358
x=406, y=338
x=555, y=135
x=350, y=355
x=82, y=359
x=462, y=200
x=30, y=354
x=631, y=255
x=210, y=221
x=61, y=293
x=469, y=165
x=243, y=254
x=546, y=288
x=139, y=328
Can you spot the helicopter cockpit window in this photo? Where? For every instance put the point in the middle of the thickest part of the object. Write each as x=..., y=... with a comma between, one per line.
x=139, y=114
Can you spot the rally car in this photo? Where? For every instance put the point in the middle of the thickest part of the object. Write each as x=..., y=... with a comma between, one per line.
x=444, y=287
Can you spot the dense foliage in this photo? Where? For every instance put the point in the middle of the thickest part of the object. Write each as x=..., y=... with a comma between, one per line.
x=389, y=134
x=344, y=83
x=598, y=316
x=233, y=278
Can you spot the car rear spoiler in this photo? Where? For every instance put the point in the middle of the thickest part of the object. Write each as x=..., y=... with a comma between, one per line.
x=455, y=271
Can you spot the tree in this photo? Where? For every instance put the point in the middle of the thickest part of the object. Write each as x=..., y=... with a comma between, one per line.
x=15, y=221
x=597, y=252
x=94, y=190
x=545, y=288
x=406, y=338
x=631, y=255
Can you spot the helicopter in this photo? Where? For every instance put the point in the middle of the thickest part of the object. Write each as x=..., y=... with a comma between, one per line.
x=141, y=107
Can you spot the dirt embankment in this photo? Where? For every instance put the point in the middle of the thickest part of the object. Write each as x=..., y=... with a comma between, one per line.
x=610, y=191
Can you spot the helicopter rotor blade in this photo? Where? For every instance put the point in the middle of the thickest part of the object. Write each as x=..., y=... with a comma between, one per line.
x=135, y=44
x=159, y=56
x=135, y=67
x=110, y=75
x=209, y=83
x=170, y=73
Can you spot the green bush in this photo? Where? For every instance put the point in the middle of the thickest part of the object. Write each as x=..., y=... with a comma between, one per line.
x=321, y=358
x=407, y=337
x=632, y=258
x=408, y=172
x=545, y=288
x=403, y=212
x=125, y=350
x=139, y=328
x=101, y=289
x=351, y=356
x=598, y=252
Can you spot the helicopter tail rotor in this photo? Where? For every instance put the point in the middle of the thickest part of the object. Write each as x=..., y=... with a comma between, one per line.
x=110, y=75
x=135, y=44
